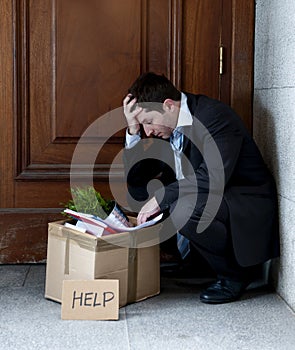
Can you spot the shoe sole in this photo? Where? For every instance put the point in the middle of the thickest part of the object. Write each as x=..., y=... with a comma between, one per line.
x=215, y=301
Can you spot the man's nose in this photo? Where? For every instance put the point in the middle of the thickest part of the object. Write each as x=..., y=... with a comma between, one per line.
x=148, y=130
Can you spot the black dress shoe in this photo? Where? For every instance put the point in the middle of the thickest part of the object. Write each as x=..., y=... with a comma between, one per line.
x=223, y=291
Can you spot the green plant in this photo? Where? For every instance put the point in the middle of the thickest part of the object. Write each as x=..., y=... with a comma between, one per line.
x=87, y=200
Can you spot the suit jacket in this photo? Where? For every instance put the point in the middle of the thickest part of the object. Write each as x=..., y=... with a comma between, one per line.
x=249, y=188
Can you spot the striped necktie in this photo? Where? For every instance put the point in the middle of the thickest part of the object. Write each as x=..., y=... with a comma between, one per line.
x=176, y=141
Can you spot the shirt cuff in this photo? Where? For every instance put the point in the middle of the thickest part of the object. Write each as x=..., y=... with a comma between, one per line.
x=131, y=140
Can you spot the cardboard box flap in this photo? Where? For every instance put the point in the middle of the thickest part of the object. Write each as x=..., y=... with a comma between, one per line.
x=86, y=240
x=142, y=238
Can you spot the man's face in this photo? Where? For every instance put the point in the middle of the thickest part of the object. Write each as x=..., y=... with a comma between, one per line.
x=156, y=124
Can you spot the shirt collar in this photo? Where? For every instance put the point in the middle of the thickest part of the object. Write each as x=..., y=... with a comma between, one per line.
x=184, y=118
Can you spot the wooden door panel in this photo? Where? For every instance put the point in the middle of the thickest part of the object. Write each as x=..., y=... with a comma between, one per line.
x=201, y=41
x=24, y=234
x=97, y=57
x=78, y=61
x=75, y=77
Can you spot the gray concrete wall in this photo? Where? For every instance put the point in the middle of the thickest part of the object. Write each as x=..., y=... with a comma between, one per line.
x=274, y=122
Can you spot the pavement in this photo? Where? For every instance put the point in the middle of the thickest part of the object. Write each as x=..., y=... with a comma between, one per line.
x=175, y=319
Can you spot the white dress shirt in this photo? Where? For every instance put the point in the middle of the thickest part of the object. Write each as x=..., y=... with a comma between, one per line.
x=176, y=139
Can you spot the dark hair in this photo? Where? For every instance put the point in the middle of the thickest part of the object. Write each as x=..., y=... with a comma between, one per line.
x=151, y=87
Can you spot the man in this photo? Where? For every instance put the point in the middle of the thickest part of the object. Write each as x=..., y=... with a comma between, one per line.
x=219, y=193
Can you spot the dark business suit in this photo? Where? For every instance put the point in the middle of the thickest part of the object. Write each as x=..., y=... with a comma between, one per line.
x=245, y=226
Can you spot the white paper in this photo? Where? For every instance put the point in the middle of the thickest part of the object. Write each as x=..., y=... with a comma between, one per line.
x=111, y=227
x=145, y=224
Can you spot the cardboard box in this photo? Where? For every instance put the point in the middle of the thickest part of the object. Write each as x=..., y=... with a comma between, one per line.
x=73, y=255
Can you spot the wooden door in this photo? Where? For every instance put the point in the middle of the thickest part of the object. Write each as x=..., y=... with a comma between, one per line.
x=66, y=63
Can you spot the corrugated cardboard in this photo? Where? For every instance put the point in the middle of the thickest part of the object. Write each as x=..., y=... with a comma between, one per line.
x=90, y=300
x=73, y=255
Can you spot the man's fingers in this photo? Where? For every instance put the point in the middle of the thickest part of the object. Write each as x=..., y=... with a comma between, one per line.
x=141, y=218
x=150, y=208
x=127, y=99
x=127, y=102
x=129, y=105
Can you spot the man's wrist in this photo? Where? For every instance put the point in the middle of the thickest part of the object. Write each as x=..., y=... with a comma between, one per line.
x=132, y=130
x=131, y=140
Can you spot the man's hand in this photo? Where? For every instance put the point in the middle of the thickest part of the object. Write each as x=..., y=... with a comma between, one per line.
x=133, y=125
x=149, y=209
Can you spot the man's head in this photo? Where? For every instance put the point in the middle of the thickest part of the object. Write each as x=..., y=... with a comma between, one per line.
x=160, y=102
x=151, y=87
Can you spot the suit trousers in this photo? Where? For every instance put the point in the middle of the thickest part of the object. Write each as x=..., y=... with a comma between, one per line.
x=215, y=242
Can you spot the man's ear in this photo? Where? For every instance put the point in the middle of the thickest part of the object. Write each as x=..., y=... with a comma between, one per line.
x=169, y=105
